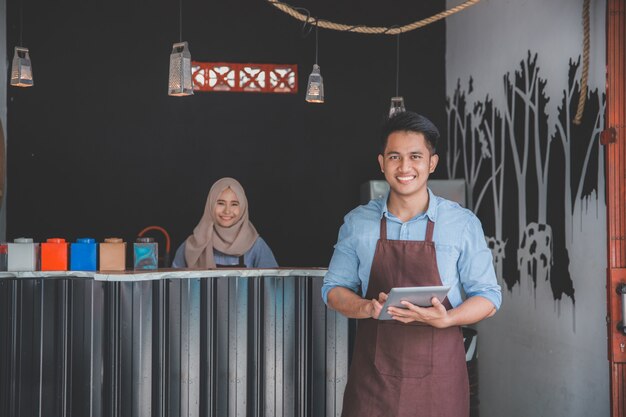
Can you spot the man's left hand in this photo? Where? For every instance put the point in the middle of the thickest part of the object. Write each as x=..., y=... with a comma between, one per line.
x=436, y=316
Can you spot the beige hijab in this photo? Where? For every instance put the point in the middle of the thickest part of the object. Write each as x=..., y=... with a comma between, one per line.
x=208, y=234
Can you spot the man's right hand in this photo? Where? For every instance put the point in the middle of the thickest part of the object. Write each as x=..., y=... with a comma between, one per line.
x=351, y=305
x=376, y=306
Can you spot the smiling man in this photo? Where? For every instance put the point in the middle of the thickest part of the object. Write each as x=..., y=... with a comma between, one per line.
x=413, y=365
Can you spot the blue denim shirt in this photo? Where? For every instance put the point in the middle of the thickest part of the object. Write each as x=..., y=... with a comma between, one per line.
x=463, y=258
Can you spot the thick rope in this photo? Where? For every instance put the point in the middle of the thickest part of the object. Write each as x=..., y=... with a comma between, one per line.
x=372, y=30
x=583, y=80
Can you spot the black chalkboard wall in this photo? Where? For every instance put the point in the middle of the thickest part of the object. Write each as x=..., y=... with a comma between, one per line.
x=97, y=148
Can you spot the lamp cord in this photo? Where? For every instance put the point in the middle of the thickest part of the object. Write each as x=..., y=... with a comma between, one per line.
x=316, y=41
x=21, y=21
x=398, y=65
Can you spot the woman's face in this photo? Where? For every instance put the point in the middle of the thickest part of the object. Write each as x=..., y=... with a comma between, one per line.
x=227, y=208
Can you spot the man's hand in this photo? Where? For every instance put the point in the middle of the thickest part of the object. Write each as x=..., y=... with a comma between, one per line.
x=436, y=316
x=352, y=305
x=376, y=306
x=471, y=311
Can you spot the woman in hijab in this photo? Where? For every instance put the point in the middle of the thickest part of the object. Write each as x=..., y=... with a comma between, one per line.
x=225, y=237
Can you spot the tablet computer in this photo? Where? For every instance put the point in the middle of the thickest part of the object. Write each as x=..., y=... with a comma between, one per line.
x=420, y=296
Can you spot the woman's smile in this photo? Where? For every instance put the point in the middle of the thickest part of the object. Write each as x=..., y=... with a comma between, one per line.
x=227, y=208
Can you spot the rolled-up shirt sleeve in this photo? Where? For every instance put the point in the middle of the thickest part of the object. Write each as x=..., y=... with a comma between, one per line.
x=344, y=265
x=475, y=265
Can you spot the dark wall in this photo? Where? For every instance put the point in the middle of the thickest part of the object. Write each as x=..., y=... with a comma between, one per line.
x=97, y=148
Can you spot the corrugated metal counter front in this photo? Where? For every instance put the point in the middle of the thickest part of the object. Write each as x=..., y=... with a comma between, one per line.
x=170, y=343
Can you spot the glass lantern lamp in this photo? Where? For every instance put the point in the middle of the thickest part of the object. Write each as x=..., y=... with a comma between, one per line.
x=397, y=106
x=21, y=68
x=315, y=86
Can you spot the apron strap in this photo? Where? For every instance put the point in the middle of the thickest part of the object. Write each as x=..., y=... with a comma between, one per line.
x=430, y=227
x=383, y=228
x=241, y=262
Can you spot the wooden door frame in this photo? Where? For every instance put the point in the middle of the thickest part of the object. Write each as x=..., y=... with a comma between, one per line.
x=614, y=139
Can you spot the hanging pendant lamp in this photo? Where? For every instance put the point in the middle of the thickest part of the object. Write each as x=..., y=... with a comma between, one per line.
x=397, y=106
x=397, y=102
x=21, y=68
x=315, y=86
x=180, y=82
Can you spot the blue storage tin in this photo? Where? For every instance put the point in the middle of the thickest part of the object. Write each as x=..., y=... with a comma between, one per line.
x=84, y=255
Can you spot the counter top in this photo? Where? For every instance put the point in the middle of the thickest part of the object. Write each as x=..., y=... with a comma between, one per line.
x=168, y=274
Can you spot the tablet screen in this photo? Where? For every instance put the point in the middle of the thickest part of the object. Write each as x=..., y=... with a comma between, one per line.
x=420, y=296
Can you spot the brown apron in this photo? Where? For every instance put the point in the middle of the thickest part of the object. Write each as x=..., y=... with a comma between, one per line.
x=406, y=370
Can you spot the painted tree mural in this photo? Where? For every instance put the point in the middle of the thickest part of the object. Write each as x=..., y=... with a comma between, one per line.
x=455, y=108
x=546, y=168
x=527, y=119
x=519, y=149
x=465, y=139
x=492, y=128
x=569, y=134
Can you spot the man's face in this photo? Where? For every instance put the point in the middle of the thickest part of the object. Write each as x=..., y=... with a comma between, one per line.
x=407, y=163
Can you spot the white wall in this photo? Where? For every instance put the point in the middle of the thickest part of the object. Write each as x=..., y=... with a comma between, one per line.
x=538, y=356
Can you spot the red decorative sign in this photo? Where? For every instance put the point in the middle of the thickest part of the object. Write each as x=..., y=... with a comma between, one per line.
x=251, y=78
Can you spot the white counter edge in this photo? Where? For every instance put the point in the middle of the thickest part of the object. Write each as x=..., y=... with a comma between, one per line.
x=157, y=275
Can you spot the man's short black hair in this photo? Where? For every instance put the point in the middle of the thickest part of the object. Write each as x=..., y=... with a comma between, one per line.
x=408, y=121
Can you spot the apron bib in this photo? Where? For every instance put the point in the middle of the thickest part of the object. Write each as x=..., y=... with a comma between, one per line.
x=406, y=370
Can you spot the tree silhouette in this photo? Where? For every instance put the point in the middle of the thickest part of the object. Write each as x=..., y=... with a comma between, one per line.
x=570, y=134
x=492, y=129
x=517, y=134
x=455, y=108
x=466, y=139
